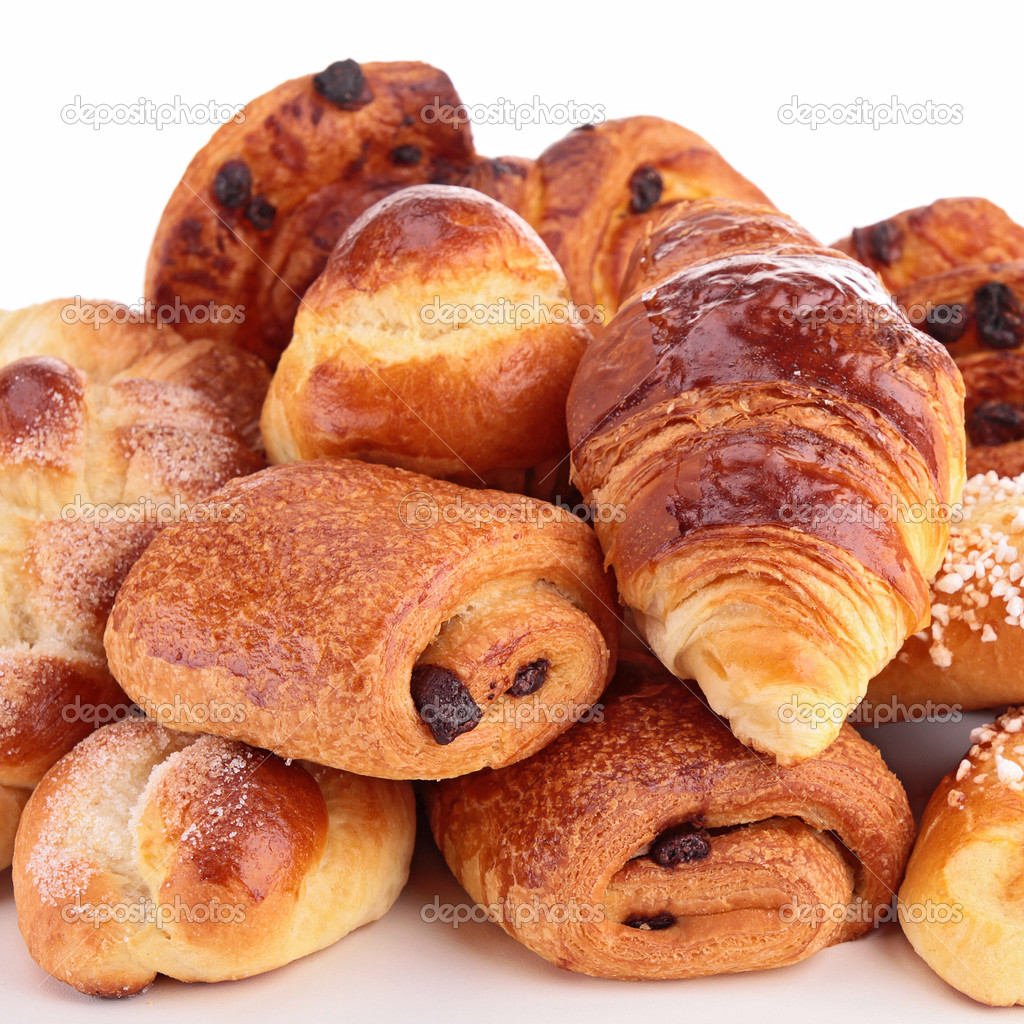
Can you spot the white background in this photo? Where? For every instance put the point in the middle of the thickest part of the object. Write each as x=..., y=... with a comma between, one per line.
x=78, y=213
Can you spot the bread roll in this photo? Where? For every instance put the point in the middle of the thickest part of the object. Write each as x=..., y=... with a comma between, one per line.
x=648, y=843
x=440, y=337
x=370, y=619
x=261, y=205
x=102, y=441
x=148, y=852
x=960, y=901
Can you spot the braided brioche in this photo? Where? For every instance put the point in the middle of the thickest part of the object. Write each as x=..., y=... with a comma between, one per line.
x=99, y=444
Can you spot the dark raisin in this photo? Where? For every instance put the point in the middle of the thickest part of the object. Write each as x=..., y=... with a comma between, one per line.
x=996, y=423
x=233, y=184
x=443, y=702
x=500, y=166
x=587, y=127
x=886, y=241
x=260, y=213
x=998, y=315
x=645, y=189
x=447, y=173
x=675, y=847
x=947, y=324
x=652, y=922
x=406, y=155
x=529, y=678
x=341, y=83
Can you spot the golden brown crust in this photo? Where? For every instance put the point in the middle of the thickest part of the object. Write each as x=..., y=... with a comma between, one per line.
x=930, y=240
x=375, y=572
x=93, y=424
x=731, y=432
x=562, y=844
x=600, y=185
x=701, y=229
x=145, y=851
x=440, y=337
x=509, y=179
x=960, y=901
x=311, y=166
x=970, y=655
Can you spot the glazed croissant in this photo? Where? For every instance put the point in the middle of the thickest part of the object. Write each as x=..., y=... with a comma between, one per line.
x=649, y=843
x=106, y=432
x=147, y=851
x=763, y=459
x=370, y=619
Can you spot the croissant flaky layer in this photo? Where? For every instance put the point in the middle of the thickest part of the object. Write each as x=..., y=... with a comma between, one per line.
x=147, y=851
x=370, y=619
x=649, y=843
x=785, y=476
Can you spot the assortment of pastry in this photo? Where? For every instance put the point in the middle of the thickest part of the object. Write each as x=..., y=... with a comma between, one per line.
x=540, y=483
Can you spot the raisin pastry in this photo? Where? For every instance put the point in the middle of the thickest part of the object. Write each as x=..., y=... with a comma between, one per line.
x=994, y=412
x=146, y=852
x=104, y=437
x=971, y=655
x=440, y=337
x=370, y=619
x=591, y=195
x=752, y=453
x=260, y=207
x=648, y=843
x=932, y=240
x=959, y=903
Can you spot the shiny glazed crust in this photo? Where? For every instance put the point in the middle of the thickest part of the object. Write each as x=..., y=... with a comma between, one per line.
x=723, y=423
x=440, y=337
